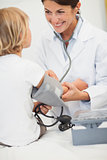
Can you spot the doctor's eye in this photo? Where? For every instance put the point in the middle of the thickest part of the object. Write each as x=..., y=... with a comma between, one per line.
x=60, y=11
x=48, y=12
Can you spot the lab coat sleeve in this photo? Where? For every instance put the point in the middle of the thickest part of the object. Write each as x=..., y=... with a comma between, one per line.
x=98, y=92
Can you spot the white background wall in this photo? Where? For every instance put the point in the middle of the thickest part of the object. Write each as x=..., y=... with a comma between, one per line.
x=92, y=10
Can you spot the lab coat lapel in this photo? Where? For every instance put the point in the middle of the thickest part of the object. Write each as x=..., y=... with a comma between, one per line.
x=77, y=49
x=59, y=56
x=83, y=36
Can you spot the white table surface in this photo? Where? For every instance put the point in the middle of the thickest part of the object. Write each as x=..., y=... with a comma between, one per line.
x=55, y=145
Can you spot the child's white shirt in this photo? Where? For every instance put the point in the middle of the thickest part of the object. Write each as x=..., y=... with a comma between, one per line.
x=18, y=125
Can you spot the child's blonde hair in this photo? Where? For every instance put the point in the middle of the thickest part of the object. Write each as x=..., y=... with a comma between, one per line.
x=13, y=30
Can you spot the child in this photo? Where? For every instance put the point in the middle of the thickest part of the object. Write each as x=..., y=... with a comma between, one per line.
x=18, y=126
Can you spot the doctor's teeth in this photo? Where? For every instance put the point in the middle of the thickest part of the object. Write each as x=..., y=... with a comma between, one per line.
x=57, y=25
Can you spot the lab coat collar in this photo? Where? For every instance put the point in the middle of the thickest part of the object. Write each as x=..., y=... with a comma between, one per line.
x=77, y=28
x=86, y=31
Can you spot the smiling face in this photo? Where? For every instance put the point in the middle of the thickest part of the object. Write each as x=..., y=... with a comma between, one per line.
x=61, y=17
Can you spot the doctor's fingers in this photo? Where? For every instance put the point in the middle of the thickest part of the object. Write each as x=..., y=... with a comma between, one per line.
x=66, y=97
x=72, y=95
x=52, y=74
x=68, y=85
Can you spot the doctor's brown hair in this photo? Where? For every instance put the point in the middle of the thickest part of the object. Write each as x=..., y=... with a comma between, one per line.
x=72, y=3
x=13, y=30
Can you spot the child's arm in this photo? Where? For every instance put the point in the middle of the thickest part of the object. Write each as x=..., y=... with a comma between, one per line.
x=78, y=83
x=49, y=73
x=45, y=108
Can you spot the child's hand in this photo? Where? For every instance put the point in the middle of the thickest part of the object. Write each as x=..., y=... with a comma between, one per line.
x=44, y=108
x=51, y=74
x=73, y=93
x=80, y=84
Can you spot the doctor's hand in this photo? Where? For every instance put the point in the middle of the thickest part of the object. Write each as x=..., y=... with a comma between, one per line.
x=73, y=93
x=45, y=109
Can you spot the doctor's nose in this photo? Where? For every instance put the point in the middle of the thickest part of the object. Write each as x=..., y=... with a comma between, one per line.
x=54, y=19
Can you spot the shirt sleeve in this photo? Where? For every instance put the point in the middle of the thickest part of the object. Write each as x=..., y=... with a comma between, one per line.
x=33, y=73
x=39, y=54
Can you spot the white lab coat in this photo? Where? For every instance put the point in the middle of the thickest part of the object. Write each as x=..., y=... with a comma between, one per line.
x=89, y=62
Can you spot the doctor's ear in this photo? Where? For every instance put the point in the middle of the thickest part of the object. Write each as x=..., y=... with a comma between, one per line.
x=78, y=6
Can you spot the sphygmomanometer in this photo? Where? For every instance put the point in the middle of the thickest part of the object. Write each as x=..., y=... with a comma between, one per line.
x=50, y=93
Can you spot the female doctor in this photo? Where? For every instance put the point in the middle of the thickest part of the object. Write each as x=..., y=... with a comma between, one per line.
x=87, y=48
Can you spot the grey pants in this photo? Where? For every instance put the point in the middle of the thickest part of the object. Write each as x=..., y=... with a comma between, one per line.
x=43, y=129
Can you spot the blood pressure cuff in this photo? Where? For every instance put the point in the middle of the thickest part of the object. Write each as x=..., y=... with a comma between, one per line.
x=49, y=93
